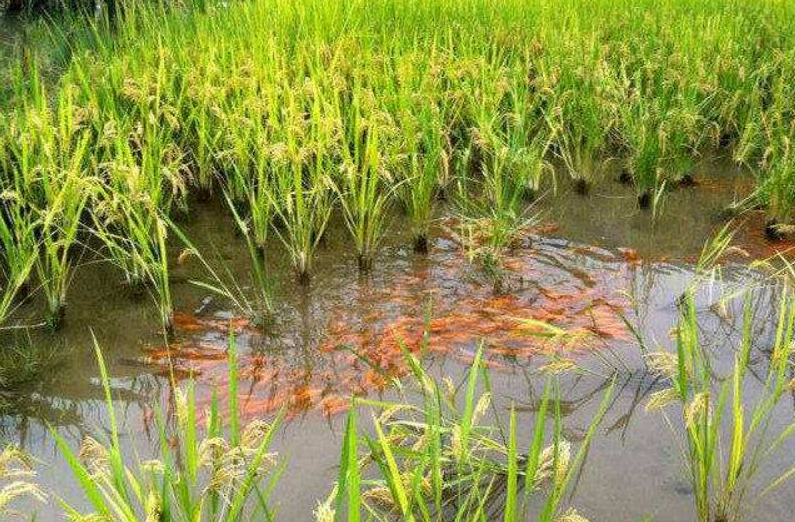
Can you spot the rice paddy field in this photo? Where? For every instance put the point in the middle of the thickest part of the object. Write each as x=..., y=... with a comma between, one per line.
x=398, y=260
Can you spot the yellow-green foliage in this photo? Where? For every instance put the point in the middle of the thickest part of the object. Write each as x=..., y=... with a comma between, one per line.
x=296, y=109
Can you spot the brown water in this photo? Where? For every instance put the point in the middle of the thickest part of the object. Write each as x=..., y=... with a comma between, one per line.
x=591, y=261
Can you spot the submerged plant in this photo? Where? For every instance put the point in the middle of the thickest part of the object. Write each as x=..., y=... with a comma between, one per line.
x=24, y=362
x=495, y=221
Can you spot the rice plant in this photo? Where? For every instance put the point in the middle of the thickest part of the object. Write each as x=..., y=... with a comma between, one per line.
x=300, y=191
x=439, y=460
x=134, y=234
x=777, y=188
x=526, y=141
x=296, y=109
x=494, y=213
x=19, y=250
x=249, y=182
x=256, y=302
x=682, y=135
x=45, y=164
x=421, y=158
x=64, y=198
x=727, y=438
x=580, y=127
x=223, y=472
x=206, y=131
x=642, y=137
x=363, y=185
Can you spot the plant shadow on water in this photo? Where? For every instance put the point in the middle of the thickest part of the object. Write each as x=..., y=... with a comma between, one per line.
x=338, y=337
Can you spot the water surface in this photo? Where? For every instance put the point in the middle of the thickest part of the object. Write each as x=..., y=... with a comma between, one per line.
x=588, y=266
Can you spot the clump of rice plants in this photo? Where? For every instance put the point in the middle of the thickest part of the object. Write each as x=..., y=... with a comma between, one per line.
x=303, y=209
x=225, y=473
x=682, y=134
x=60, y=224
x=249, y=182
x=300, y=188
x=641, y=134
x=777, y=188
x=363, y=183
x=141, y=182
x=494, y=213
x=580, y=123
x=439, y=460
x=49, y=167
x=206, y=133
x=134, y=234
x=294, y=113
x=726, y=439
x=498, y=172
x=418, y=192
x=418, y=154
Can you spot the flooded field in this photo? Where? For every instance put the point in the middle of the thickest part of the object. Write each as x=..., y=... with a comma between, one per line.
x=397, y=260
x=594, y=267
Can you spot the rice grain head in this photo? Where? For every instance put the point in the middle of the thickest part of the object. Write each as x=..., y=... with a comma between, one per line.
x=698, y=407
x=547, y=461
x=665, y=364
x=325, y=512
x=662, y=399
x=94, y=456
x=571, y=516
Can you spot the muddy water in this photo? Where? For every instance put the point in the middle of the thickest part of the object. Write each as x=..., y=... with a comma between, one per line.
x=589, y=262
